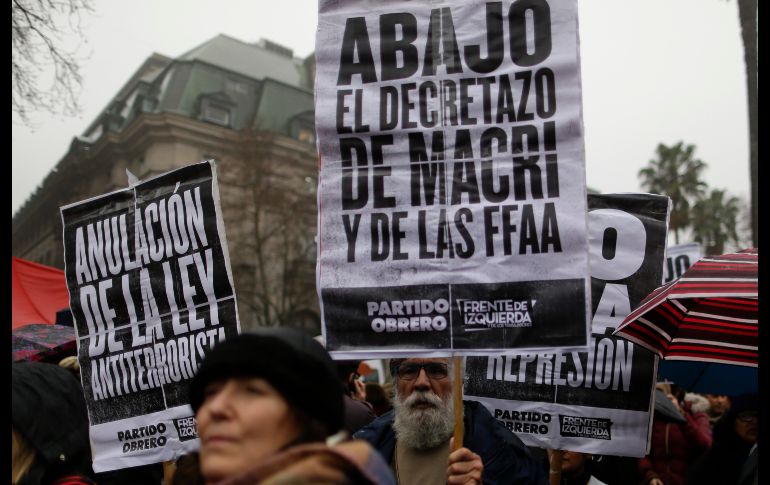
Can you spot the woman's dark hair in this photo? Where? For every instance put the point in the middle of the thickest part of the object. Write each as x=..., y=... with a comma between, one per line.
x=344, y=369
x=188, y=471
x=311, y=430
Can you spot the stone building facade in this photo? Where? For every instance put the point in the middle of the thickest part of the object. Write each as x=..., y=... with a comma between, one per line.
x=247, y=106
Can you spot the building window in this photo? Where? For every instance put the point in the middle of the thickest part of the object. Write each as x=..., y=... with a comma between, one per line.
x=217, y=108
x=148, y=104
x=216, y=114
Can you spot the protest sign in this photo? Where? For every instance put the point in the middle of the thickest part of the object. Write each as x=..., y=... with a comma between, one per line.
x=452, y=209
x=678, y=259
x=599, y=401
x=151, y=292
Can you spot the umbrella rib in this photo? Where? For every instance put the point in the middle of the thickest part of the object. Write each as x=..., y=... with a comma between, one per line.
x=701, y=358
x=660, y=294
x=683, y=349
x=720, y=317
x=703, y=294
x=730, y=261
x=656, y=328
x=731, y=303
x=641, y=342
x=715, y=280
x=716, y=344
x=714, y=325
x=679, y=305
x=666, y=311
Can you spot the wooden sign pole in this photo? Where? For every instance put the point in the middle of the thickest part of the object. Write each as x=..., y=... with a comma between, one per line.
x=457, y=387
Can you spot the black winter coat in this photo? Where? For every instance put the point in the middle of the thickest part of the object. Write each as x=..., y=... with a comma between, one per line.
x=721, y=465
x=507, y=461
x=49, y=411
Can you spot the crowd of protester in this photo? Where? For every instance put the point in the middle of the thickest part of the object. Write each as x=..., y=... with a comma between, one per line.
x=273, y=408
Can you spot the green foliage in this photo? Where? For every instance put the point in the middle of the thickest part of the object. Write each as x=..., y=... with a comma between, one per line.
x=675, y=173
x=712, y=215
x=715, y=221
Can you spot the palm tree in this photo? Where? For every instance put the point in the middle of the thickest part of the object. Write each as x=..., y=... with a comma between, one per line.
x=715, y=221
x=747, y=13
x=677, y=174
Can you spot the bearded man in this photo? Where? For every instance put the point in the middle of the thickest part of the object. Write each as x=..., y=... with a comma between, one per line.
x=416, y=436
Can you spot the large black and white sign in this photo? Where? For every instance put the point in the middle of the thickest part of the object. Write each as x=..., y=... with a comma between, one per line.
x=597, y=401
x=679, y=258
x=151, y=292
x=452, y=200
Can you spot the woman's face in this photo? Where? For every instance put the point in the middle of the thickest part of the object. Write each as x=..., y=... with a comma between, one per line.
x=241, y=422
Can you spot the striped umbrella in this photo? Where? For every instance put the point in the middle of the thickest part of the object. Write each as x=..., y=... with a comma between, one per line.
x=709, y=314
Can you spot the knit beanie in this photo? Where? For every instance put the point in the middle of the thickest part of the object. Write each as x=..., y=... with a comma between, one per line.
x=296, y=365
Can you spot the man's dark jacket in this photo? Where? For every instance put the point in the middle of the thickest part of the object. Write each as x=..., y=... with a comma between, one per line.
x=506, y=460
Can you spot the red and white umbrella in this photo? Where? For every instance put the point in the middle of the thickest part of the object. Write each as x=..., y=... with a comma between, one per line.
x=707, y=315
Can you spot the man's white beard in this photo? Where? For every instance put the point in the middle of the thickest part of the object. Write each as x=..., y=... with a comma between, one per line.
x=423, y=428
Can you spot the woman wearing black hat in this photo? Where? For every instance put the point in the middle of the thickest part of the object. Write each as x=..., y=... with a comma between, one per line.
x=266, y=403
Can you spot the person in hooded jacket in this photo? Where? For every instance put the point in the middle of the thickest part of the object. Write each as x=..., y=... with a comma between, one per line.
x=49, y=426
x=679, y=438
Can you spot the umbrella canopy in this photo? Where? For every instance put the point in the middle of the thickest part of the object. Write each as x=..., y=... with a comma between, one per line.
x=711, y=378
x=42, y=342
x=707, y=315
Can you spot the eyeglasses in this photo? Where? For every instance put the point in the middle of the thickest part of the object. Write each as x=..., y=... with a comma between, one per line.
x=748, y=417
x=409, y=371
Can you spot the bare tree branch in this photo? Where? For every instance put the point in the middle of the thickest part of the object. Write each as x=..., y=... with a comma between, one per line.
x=39, y=53
x=271, y=226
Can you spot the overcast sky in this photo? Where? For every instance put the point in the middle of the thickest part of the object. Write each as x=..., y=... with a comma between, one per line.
x=657, y=71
